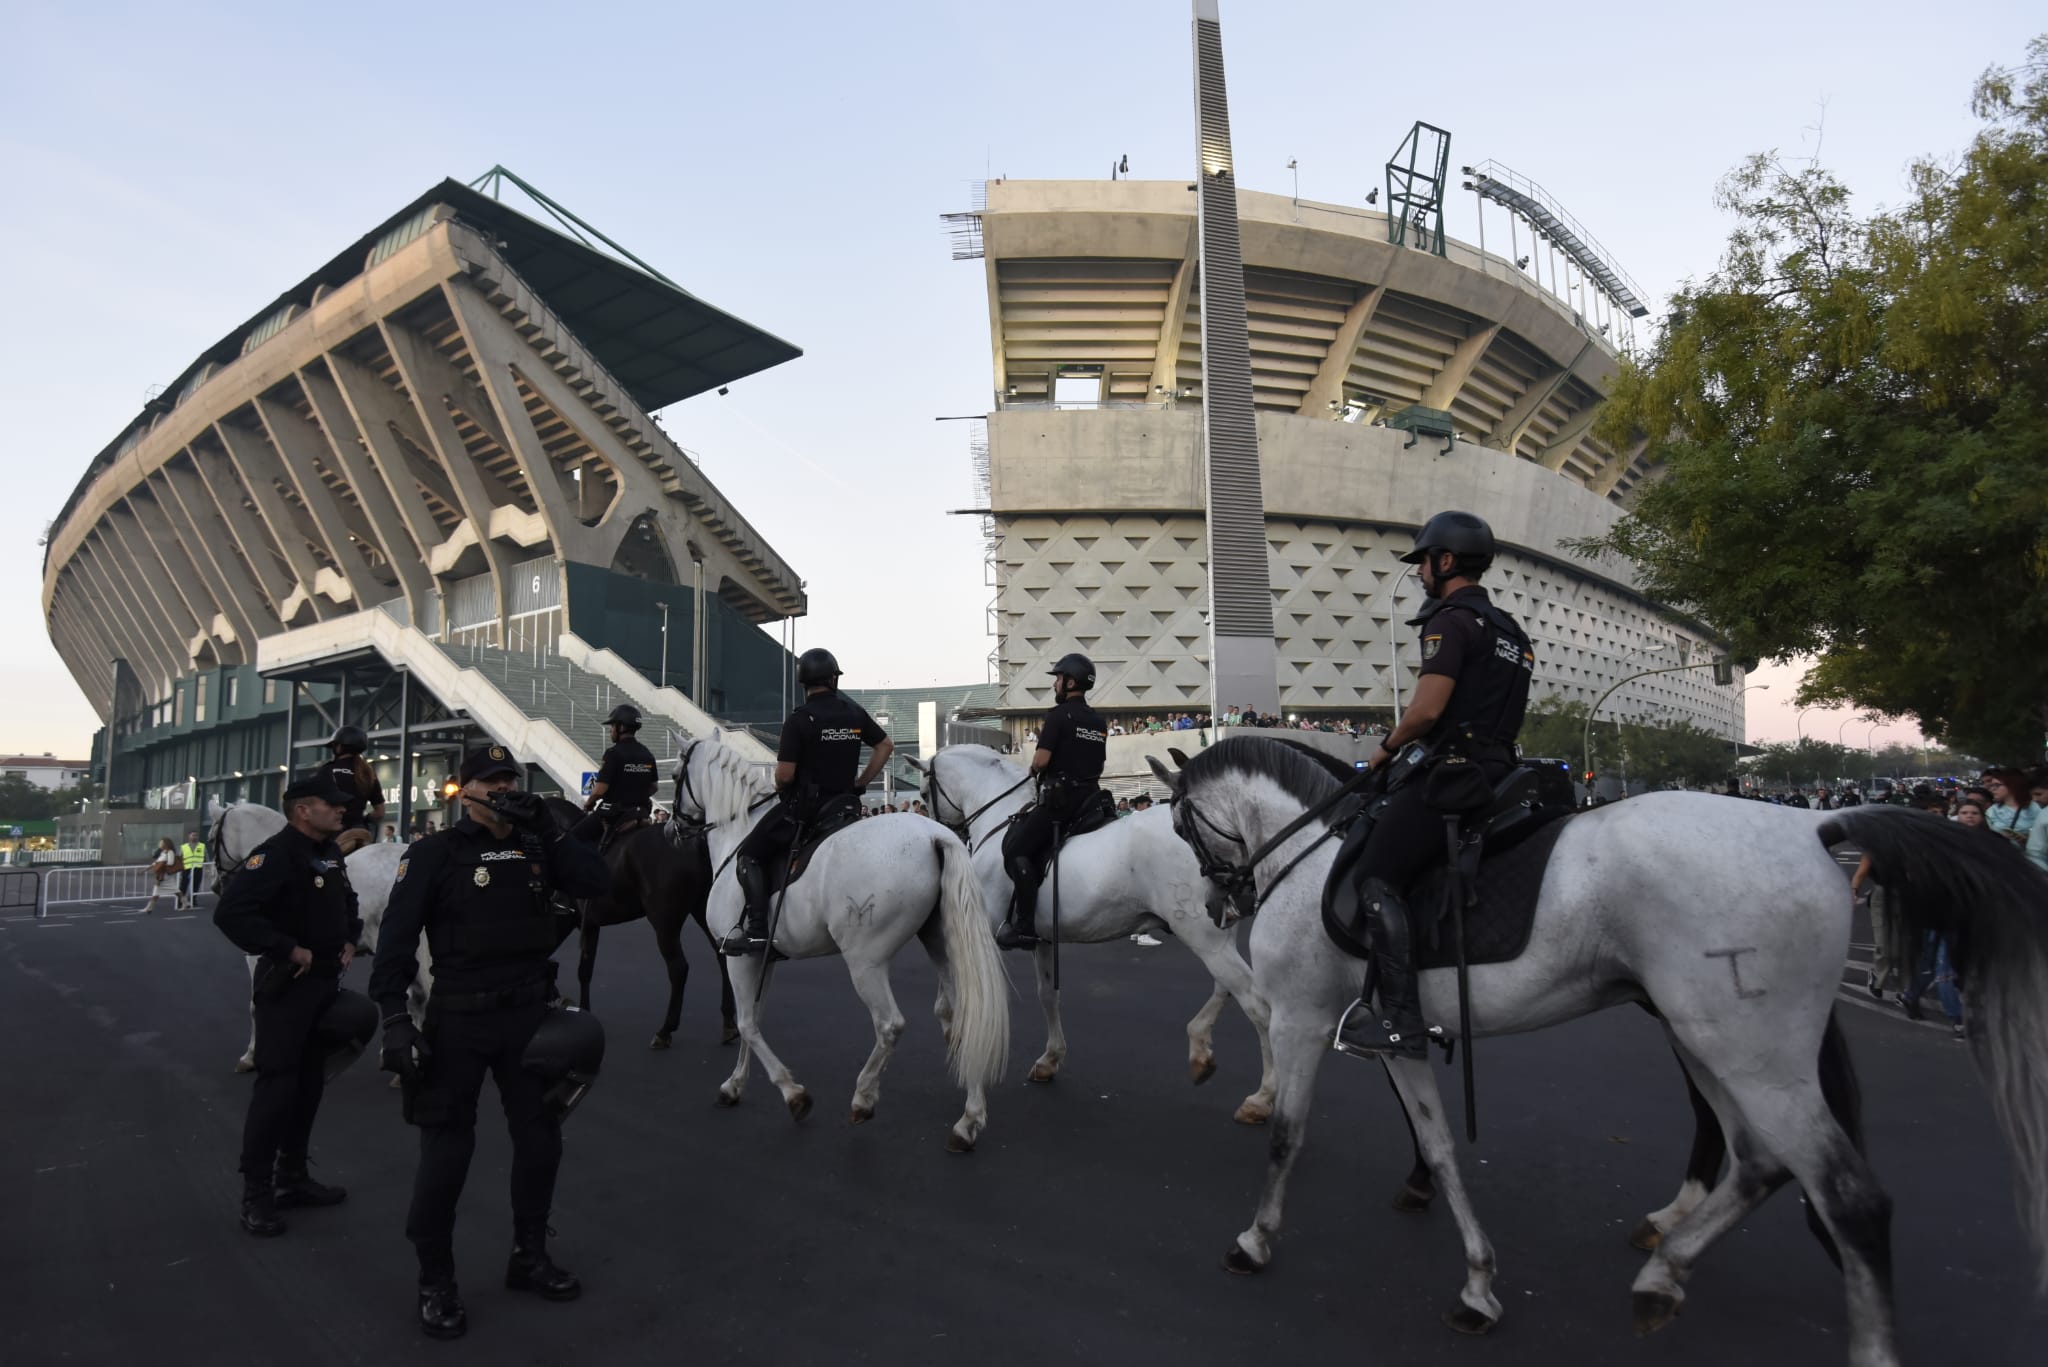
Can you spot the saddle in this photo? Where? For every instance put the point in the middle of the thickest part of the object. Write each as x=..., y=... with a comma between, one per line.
x=1094, y=812
x=834, y=814
x=1503, y=848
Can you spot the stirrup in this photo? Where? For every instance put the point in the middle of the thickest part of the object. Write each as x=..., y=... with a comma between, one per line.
x=1380, y=1039
x=1016, y=936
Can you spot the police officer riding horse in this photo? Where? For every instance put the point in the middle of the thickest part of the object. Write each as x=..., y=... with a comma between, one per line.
x=622, y=794
x=815, y=784
x=1473, y=689
x=352, y=774
x=1073, y=742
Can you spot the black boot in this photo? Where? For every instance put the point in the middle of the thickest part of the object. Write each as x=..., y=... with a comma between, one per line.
x=1019, y=929
x=1397, y=1029
x=531, y=1269
x=441, y=1312
x=295, y=1187
x=259, y=1208
x=750, y=936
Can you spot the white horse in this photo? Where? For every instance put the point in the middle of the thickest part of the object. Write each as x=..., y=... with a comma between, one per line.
x=868, y=890
x=1728, y=918
x=239, y=829
x=1132, y=875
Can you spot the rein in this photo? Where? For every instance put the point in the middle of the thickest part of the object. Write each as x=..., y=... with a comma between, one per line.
x=1240, y=881
x=965, y=827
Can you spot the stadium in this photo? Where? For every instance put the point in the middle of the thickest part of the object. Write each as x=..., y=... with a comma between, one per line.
x=1393, y=371
x=421, y=492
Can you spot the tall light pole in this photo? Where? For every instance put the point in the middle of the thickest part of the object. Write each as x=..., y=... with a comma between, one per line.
x=1738, y=703
x=1630, y=678
x=1799, y=726
x=1870, y=744
x=664, y=643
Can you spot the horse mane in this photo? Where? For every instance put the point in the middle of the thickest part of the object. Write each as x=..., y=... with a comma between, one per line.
x=731, y=781
x=1303, y=772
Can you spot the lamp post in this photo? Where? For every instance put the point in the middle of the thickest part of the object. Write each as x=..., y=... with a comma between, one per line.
x=664, y=643
x=1630, y=678
x=1799, y=727
x=1870, y=744
x=1738, y=702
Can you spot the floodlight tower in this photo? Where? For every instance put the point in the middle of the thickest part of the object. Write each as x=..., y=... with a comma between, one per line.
x=1243, y=656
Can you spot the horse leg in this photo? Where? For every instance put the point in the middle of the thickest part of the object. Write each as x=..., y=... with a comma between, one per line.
x=1217, y=949
x=932, y=936
x=1477, y=1310
x=1048, y=1065
x=871, y=981
x=1202, y=1036
x=586, y=958
x=1300, y=1039
x=728, y=1010
x=1419, y=1188
x=746, y=972
x=668, y=938
x=1709, y=1148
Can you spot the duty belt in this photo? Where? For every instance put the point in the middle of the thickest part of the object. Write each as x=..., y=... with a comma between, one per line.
x=497, y=999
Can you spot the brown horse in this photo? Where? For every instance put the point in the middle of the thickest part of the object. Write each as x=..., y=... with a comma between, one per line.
x=662, y=872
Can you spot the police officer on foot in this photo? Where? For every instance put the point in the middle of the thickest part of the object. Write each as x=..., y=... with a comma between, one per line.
x=353, y=775
x=815, y=764
x=1474, y=687
x=624, y=787
x=291, y=903
x=1072, y=745
x=481, y=893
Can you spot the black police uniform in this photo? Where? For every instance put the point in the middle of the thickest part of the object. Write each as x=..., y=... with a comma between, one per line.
x=823, y=739
x=1077, y=738
x=483, y=903
x=292, y=892
x=628, y=773
x=355, y=813
x=1472, y=641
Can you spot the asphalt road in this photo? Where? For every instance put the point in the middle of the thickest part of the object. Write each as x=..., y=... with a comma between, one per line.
x=1088, y=1227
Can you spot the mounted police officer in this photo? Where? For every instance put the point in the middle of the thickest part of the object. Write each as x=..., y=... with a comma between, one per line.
x=353, y=775
x=290, y=902
x=623, y=790
x=1469, y=699
x=1072, y=745
x=814, y=768
x=481, y=893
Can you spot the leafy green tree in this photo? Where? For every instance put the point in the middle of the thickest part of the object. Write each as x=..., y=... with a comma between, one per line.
x=1851, y=415
x=1659, y=756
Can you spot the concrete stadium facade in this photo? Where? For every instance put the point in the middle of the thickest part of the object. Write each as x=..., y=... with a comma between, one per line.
x=1095, y=464
x=434, y=457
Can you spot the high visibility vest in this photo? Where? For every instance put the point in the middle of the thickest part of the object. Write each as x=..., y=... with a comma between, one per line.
x=194, y=856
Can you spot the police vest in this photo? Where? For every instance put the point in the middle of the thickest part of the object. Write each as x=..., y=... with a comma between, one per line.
x=494, y=906
x=1492, y=695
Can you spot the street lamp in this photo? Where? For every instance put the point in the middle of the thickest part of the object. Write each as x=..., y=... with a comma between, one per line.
x=1799, y=725
x=664, y=643
x=1738, y=702
x=1631, y=678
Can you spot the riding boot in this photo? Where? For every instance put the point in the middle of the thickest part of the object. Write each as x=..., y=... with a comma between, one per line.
x=750, y=936
x=531, y=1269
x=441, y=1312
x=1020, y=929
x=1397, y=1030
x=259, y=1208
x=295, y=1187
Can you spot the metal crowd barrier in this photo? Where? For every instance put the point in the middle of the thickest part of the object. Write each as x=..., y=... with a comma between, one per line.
x=21, y=888
x=96, y=885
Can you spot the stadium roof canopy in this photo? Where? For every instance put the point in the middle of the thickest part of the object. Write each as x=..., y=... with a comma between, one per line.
x=661, y=342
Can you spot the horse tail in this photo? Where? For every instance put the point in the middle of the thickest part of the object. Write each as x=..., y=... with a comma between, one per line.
x=981, y=1009
x=1992, y=905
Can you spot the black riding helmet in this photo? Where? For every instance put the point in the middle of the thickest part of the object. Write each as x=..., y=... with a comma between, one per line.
x=349, y=740
x=1464, y=535
x=626, y=715
x=566, y=1052
x=815, y=667
x=1076, y=666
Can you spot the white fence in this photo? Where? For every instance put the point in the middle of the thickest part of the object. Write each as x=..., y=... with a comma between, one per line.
x=96, y=885
x=63, y=856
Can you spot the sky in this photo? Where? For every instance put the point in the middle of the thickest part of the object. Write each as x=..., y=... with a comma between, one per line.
x=173, y=169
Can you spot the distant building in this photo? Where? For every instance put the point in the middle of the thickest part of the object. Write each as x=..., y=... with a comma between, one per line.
x=45, y=770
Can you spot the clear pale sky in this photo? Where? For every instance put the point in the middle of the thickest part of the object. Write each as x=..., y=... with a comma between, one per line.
x=170, y=170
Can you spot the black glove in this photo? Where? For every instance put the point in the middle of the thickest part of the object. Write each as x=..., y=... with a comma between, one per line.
x=405, y=1053
x=526, y=811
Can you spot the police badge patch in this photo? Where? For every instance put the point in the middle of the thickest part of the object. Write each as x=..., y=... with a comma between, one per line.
x=483, y=878
x=255, y=861
x=1430, y=646
x=399, y=877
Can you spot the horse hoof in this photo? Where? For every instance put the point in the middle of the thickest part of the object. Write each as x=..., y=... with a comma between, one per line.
x=1252, y=1113
x=800, y=1105
x=1466, y=1320
x=730, y=1035
x=397, y=1083
x=245, y=1065
x=1240, y=1262
x=958, y=1143
x=1410, y=1201
x=861, y=1115
x=1201, y=1070
x=1645, y=1236
x=661, y=1040
x=726, y=1098
x=1654, y=1310
x=1042, y=1072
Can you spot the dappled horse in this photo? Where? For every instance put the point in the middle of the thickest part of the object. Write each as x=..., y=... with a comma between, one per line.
x=661, y=871
x=1729, y=919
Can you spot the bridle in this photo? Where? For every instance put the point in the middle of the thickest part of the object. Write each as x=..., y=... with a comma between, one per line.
x=964, y=828
x=1239, y=882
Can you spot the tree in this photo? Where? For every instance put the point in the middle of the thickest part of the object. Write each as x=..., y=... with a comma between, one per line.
x=1656, y=755
x=1851, y=415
